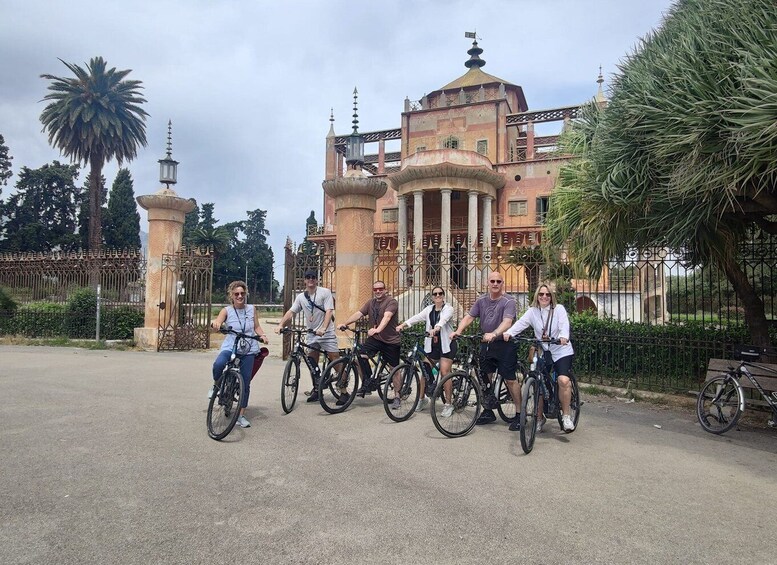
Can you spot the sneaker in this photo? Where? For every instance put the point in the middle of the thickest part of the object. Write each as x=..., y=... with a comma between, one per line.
x=567, y=423
x=487, y=417
x=313, y=396
x=243, y=422
x=515, y=425
x=343, y=399
x=422, y=404
x=447, y=411
x=396, y=404
x=212, y=390
x=489, y=401
x=541, y=424
x=366, y=388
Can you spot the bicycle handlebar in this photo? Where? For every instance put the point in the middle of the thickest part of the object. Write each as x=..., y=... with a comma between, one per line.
x=297, y=330
x=534, y=340
x=228, y=330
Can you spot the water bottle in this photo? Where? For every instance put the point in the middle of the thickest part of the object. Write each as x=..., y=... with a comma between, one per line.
x=534, y=362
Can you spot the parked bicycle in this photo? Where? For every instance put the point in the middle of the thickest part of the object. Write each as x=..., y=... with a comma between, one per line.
x=416, y=366
x=540, y=387
x=341, y=377
x=467, y=391
x=224, y=403
x=722, y=401
x=291, y=373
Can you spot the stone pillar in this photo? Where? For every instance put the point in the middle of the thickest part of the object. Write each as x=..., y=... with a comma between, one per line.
x=445, y=237
x=418, y=238
x=472, y=240
x=485, y=267
x=166, y=214
x=355, y=197
x=402, y=239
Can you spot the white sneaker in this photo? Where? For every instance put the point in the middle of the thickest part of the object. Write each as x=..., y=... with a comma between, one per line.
x=447, y=410
x=243, y=422
x=541, y=424
x=567, y=423
x=422, y=404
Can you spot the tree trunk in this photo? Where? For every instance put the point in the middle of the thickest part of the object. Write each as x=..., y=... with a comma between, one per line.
x=755, y=316
x=95, y=203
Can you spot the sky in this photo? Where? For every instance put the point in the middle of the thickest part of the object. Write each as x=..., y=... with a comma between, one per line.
x=249, y=85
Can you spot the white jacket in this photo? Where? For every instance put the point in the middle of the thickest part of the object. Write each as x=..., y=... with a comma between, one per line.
x=537, y=319
x=446, y=328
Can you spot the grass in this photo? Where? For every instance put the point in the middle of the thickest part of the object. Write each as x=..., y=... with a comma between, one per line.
x=65, y=342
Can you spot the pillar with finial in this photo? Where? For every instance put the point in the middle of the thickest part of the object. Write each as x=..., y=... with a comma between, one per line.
x=166, y=214
x=600, y=98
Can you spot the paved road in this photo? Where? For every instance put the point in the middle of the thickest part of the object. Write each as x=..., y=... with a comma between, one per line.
x=105, y=459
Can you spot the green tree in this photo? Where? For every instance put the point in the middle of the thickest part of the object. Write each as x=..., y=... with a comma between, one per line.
x=5, y=164
x=683, y=155
x=259, y=255
x=207, y=221
x=92, y=118
x=190, y=224
x=42, y=214
x=83, y=211
x=123, y=226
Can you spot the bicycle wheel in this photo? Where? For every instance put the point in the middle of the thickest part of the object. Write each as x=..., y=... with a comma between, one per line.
x=408, y=393
x=505, y=405
x=720, y=404
x=338, y=385
x=466, y=399
x=224, y=405
x=290, y=384
x=382, y=372
x=529, y=405
x=574, y=406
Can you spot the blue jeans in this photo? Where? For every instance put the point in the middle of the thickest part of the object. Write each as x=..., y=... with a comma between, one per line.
x=246, y=364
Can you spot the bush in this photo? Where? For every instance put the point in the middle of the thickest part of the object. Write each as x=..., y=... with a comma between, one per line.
x=7, y=309
x=39, y=319
x=120, y=322
x=81, y=312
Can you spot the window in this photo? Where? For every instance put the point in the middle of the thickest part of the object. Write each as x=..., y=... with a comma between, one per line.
x=390, y=215
x=543, y=203
x=420, y=148
x=483, y=146
x=518, y=208
x=450, y=142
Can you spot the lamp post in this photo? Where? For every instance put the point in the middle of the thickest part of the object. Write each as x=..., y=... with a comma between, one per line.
x=168, y=167
x=354, y=145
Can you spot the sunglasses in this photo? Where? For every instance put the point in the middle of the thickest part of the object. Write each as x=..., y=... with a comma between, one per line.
x=311, y=277
x=543, y=294
x=238, y=294
x=495, y=281
x=378, y=289
x=438, y=294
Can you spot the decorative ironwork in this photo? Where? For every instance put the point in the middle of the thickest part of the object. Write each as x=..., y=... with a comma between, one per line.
x=540, y=116
x=373, y=136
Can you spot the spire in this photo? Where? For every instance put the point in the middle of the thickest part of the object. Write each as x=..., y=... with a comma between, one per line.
x=600, y=93
x=331, y=123
x=474, y=53
x=355, y=120
x=169, y=139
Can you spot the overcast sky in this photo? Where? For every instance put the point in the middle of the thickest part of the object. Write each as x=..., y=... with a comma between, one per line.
x=249, y=84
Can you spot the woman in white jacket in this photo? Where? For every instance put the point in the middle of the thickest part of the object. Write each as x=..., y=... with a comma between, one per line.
x=438, y=345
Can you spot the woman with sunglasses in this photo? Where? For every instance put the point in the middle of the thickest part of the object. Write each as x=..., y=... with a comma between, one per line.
x=240, y=317
x=438, y=345
x=550, y=320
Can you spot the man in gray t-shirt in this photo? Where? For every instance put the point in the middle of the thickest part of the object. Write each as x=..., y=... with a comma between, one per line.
x=317, y=305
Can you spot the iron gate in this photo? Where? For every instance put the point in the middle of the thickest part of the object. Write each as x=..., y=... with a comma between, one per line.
x=185, y=300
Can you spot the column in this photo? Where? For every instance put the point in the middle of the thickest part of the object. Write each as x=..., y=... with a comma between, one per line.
x=402, y=240
x=486, y=265
x=418, y=238
x=445, y=237
x=472, y=240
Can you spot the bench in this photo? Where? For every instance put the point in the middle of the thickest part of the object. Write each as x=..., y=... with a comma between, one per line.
x=767, y=380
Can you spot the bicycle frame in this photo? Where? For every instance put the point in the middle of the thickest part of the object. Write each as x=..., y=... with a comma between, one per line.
x=771, y=399
x=300, y=348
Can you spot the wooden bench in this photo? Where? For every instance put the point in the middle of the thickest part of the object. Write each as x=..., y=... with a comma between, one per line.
x=766, y=379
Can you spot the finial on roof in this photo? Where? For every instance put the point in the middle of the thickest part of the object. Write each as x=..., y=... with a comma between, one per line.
x=474, y=53
x=169, y=139
x=331, y=122
x=600, y=93
x=355, y=120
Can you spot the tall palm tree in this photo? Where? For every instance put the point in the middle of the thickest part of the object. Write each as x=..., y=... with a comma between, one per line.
x=93, y=118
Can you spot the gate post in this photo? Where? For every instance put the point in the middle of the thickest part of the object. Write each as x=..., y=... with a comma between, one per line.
x=166, y=214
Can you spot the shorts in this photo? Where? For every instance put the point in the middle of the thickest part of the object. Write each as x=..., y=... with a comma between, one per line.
x=436, y=352
x=499, y=355
x=327, y=342
x=390, y=351
x=563, y=366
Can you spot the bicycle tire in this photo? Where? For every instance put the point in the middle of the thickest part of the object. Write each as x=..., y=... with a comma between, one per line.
x=382, y=377
x=574, y=406
x=224, y=405
x=340, y=376
x=505, y=405
x=529, y=406
x=409, y=392
x=290, y=384
x=720, y=404
x=467, y=399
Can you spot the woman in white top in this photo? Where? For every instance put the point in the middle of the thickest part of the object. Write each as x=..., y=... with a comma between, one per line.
x=438, y=345
x=550, y=320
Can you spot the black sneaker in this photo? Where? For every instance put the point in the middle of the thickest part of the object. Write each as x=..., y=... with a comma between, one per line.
x=487, y=417
x=515, y=425
x=490, y=402
x=343, y=399
x=313, y=396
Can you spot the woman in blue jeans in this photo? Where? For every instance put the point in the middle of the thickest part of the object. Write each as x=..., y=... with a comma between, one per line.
x=240, y=317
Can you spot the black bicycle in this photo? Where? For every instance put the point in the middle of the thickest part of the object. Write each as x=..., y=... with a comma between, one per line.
x=340, y=380
x=224, y=403
x=291, y=373
x=722, y=401
x=541, y=383
x=460, y=396
x=415, y=367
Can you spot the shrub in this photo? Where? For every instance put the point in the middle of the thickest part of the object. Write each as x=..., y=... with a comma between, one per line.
x=39, y=319
x=120, y=322
x=81, y=312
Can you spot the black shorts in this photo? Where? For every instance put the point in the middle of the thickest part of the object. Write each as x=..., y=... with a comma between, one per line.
x=499, y=354
x=390, y=351
x=436, y=352
x=564, y=365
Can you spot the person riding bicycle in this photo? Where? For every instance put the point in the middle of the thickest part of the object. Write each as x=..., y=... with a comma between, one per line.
x=240, y=317
x=496, y=312
x=549, y=320
x=438, y=345
x=382, y=336
x=318, y=306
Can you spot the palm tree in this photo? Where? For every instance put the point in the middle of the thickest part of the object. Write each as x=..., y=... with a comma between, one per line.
x=93, y=118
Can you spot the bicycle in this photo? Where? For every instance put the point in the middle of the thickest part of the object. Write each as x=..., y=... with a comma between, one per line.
x=722, y=401
x=291, y=373
x=224, y=403
x=341, y=377
x=467, y=385
x=416, y=365
x=541, y=382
